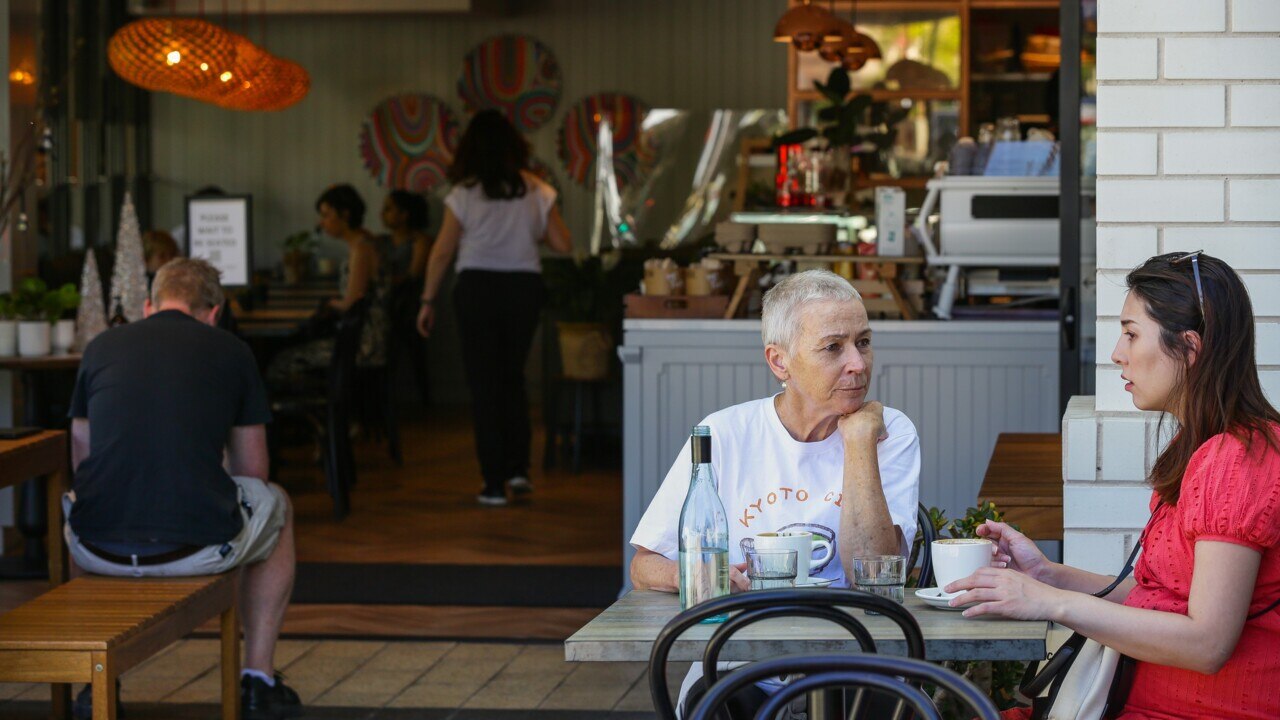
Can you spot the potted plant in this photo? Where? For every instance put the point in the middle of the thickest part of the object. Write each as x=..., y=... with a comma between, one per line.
x=8, y=326
x=585, y=292
x=297, y=255
x=850, y=124
x=58, y=305
x=39, y=308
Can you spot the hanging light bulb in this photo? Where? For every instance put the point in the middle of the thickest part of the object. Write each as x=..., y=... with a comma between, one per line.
x=172, y=54
x=806, y=26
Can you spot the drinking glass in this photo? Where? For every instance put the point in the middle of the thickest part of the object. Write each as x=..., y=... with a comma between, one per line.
x=883, y=575
x=771, y=569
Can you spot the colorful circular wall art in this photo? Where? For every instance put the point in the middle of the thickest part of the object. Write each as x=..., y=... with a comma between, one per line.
x=515, y=74
x=408, y=142
x=582, y=125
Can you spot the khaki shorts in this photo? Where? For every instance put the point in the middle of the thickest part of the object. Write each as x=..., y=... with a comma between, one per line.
x=262, y=506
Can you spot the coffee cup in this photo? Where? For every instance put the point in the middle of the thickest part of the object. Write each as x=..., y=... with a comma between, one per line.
x=803, y=542
x=957, y=558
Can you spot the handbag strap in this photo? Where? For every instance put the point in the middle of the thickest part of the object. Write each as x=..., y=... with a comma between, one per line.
x=1128, y=569
x=1265, y=610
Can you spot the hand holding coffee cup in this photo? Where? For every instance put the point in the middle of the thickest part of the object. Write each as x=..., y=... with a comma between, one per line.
x=957, y=558
x=803, y=542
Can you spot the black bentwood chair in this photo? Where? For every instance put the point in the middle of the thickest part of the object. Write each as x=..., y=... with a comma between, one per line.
x=758, y=605
x=895, y=676
x=329, y=405
x=923, y=549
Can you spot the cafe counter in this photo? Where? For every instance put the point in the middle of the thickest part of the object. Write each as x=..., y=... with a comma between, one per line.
x=961, y=382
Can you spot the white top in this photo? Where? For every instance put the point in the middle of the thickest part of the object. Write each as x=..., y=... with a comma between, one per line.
x=771, y=482
x=501, y=235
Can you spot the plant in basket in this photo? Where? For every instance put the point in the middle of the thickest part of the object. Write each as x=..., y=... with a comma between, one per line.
x=585, y=295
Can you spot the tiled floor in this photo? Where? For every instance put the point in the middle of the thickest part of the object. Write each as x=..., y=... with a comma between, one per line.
x=475, y=677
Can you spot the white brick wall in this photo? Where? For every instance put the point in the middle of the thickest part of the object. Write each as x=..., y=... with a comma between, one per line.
x=1188, y=158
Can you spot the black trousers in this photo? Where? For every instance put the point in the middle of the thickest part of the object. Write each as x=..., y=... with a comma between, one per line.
x=497, y=315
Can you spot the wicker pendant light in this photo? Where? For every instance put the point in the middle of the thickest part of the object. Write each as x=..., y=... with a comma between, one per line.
x=258, y=80
x=806, y=27
x=178, y=55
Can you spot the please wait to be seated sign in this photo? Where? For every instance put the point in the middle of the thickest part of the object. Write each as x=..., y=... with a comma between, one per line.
x=219, y=230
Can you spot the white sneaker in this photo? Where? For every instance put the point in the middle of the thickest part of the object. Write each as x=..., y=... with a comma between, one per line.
x=519, y=484
x=485, y=498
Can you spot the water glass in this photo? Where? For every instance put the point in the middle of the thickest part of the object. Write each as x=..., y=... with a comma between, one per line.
x=771, y=569
x=883, y=575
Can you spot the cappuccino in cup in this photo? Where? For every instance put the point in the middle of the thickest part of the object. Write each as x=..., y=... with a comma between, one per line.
x=954, y=559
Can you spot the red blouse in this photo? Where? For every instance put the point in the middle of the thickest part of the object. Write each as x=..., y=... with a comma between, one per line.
x=1231, y=494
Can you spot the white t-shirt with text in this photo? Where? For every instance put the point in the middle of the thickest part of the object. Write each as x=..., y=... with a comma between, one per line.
x=771, y=482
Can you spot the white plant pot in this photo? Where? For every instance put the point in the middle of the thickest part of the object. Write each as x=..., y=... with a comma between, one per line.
x=33, y=338
x=8, y=338
x=64, y=336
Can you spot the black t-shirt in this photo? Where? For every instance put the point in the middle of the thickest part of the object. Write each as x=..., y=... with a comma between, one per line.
x=161, y=396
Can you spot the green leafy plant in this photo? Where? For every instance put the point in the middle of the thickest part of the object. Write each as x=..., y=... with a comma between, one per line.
x=998, y=679
x=854, y=121
x=586, y=288
x=35, y=301
x=300, y=243
x=8, y=309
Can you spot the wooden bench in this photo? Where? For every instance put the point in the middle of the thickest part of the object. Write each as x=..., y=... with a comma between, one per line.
x=93, y=629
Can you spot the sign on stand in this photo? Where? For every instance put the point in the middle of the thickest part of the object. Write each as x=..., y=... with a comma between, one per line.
x=219, y=229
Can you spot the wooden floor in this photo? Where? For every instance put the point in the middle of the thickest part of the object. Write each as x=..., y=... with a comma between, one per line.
x=425, y=512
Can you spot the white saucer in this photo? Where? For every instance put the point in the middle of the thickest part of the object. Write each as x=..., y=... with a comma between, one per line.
x=815, y=583
x=936, y=598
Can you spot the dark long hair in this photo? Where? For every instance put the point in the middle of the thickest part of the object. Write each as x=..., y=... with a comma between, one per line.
x=346, y=202
x=414, y=207
x=492, y=152
x=1220, y=391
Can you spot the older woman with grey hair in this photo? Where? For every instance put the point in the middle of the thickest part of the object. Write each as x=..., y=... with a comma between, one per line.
x=817, y=456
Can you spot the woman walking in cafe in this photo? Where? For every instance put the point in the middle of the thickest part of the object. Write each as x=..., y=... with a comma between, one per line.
x=495, y=216
x=1199, y=615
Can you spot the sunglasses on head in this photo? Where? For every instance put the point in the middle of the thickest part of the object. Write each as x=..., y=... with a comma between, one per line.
x=1194, y=257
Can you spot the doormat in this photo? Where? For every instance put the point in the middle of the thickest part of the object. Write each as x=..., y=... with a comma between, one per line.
x=559, y=586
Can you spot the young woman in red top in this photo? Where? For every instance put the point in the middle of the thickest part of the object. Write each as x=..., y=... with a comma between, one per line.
x=1210, y=558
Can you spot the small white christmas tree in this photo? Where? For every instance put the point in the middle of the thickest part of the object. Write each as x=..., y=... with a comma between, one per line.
x=91, y=317
x=129, y=277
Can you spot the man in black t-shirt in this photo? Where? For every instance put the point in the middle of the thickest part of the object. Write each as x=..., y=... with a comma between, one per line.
x=169, y=448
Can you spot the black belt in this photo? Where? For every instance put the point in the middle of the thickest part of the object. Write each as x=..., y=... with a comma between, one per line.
x=181, y=553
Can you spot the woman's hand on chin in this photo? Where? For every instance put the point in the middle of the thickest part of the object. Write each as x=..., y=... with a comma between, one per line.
x=1006, y=593
x=865, y=425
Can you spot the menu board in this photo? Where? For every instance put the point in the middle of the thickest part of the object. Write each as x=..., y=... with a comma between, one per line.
x=219, y=230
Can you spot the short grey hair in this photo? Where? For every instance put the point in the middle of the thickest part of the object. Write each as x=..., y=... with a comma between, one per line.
x=191, y=281
x=780, y=319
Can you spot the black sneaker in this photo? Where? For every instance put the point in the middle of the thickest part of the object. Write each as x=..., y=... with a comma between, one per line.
x=520, y=485
x=260, y=701
x=82, y=708
x=492, y=498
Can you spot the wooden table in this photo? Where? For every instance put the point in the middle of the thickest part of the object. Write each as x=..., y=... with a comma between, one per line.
x=44, y=453
x=1024, y=480
x=627, y=630
x=69, y=361
x=272, y=321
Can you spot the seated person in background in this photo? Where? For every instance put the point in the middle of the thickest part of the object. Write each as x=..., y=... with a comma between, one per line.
x=169, y=451
x=361, y=276
x=405, y=215
x=817, y=456
x=158, y=248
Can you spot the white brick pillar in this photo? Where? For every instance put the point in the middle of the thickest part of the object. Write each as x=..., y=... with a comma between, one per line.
x=1188, y=158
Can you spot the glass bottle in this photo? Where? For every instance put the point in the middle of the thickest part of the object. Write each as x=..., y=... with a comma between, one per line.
x=117, y=313
x=704, y=532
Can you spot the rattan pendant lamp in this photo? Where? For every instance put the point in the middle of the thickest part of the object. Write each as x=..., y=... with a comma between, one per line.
x=179, y=55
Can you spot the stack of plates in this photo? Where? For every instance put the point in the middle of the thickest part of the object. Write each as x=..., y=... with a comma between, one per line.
x=735, y=236
x=811, y=238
